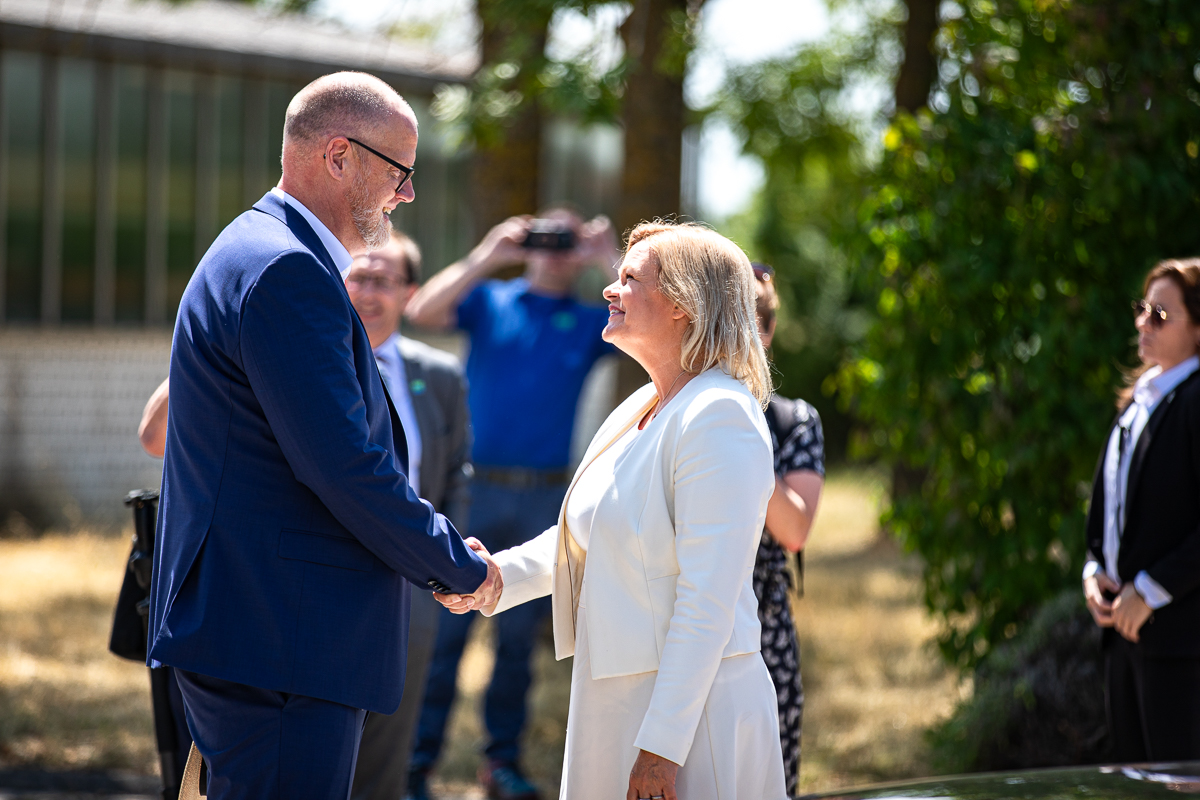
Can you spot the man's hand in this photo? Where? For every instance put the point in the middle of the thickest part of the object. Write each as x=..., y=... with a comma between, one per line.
x=652, y=776
x=1101, y=607
x=1130, y=612
x=502, y=245
x=486, y=596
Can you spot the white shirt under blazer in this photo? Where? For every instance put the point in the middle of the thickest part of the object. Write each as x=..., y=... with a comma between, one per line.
x=669, y=557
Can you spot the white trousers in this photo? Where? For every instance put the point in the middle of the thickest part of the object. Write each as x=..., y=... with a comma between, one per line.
x=735, y=754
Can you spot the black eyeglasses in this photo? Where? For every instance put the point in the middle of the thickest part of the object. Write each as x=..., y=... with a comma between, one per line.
x=1158, y=315
x=406, y=173
x=376, y=283
x=764, y=272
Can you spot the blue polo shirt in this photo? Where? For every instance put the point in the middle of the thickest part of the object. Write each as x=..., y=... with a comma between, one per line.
x=528, y=360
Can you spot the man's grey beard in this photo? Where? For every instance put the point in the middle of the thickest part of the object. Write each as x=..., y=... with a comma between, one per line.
x=373, y=226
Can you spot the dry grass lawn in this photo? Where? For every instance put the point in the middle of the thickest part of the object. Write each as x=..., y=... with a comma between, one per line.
x=65, y=701
x=872, y=679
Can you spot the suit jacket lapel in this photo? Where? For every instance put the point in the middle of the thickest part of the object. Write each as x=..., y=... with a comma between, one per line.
x=1144, y=441
x=427, y=412
x=398, y=438
x=298, y=225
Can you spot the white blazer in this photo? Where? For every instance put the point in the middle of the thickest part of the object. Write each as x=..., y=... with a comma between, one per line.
x=671, y=551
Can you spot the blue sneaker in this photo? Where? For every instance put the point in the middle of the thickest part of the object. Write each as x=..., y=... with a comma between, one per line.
x=504, y=781
x=418, y=786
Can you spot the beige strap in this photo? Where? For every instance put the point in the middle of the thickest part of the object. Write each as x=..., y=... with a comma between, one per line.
x=190, y=789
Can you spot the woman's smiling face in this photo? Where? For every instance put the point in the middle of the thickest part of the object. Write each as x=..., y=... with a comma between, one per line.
x=640, y=317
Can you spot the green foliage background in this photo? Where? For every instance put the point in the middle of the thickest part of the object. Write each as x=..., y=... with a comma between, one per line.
x=795, y=116
x=962, y=288
x=1007, y=232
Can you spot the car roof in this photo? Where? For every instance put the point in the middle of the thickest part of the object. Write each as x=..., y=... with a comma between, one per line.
x=1117, y=782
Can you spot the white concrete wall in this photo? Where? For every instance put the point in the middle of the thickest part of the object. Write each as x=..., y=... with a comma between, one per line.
x=70, y=402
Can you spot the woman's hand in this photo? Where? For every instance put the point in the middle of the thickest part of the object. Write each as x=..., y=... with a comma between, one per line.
x=652, y=777
x=1101, y=607
x=486, y=596
x=1130, y=612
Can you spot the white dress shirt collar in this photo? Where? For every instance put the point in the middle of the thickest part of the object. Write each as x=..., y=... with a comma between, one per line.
x=1156, y=384
x=337, y=251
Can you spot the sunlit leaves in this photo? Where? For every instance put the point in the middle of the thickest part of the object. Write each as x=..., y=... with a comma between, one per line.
x=1007, y=229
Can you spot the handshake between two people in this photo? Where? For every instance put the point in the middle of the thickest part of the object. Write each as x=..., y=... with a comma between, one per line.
x=486, y=596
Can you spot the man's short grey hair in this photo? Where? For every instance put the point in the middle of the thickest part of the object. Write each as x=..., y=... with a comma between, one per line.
x=338, y=105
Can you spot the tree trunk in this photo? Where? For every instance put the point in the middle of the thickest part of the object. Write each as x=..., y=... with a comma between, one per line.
x=653, y=116
x=917, y=72
x=504, y=171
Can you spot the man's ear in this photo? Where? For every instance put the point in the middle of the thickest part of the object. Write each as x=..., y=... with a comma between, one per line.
x=337, y=151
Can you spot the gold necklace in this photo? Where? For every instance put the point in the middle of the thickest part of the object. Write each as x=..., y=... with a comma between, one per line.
x=662, y=401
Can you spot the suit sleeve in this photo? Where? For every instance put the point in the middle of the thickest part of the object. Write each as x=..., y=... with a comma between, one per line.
x=1179, y=571
x=1093, y=525
x=296, y=334
x=723, y=480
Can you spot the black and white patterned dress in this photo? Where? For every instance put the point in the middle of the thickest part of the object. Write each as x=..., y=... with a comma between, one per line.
x=799, y=445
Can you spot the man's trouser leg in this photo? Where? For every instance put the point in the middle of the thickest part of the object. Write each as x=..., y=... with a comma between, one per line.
x=528, y=512
x=264, y=745
x=387, y=740
x=439, y=688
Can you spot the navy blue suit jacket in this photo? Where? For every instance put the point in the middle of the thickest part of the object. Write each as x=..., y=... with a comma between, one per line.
x=287, y=536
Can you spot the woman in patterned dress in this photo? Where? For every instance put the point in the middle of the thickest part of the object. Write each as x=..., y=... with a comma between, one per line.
x=799, y=476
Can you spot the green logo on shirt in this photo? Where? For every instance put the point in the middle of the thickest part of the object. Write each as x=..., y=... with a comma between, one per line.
x=563, y=320
x=416, y=386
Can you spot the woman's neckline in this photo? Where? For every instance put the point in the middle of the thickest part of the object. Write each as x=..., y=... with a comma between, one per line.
x=646, y=418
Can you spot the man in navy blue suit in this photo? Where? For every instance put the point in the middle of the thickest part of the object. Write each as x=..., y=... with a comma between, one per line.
x=288, y=533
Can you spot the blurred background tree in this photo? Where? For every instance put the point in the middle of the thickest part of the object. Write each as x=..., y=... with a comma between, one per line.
x=1009, y=226
x=799, y=117
x=966, y=250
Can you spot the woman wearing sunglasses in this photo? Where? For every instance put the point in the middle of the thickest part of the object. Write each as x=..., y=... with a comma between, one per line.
x=1143, y=531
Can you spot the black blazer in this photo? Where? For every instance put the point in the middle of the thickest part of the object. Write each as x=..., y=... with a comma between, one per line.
x=1162, y=519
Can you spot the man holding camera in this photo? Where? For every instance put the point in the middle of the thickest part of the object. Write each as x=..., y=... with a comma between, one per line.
x=532, y=345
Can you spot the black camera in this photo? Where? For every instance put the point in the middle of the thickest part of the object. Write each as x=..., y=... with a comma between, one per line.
x=549, y=234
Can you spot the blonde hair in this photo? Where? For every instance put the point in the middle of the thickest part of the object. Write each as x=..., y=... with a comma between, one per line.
x=710, y=279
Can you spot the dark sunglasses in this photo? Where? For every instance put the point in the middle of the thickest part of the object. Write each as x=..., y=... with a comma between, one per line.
x=764, y=272
x=1158, y=315
x=406, y=173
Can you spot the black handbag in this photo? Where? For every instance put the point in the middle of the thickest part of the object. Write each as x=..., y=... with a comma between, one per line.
x=131, y=618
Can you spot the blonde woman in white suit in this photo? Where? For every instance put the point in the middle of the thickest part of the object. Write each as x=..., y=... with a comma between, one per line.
x=649, y=567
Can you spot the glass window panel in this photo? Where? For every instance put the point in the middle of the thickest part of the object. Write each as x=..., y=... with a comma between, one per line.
x=229, y=109
x=23, y=101
x=131, y=194
x=77, y=115
x=181, y=194
x=278, y=96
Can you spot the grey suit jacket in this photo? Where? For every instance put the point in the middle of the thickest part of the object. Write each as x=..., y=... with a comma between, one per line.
x=439, y=399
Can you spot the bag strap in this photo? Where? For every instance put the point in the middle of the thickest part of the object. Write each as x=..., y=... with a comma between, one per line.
x=190, y=788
